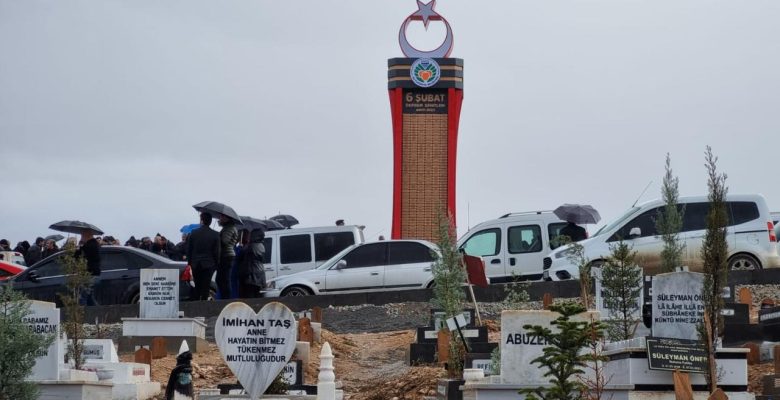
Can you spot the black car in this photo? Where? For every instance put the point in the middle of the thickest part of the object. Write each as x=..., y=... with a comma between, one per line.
x=119, y=279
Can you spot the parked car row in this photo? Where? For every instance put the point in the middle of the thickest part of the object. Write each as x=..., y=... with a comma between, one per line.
x=336, y=259
x=119, y=281
x=751, y=237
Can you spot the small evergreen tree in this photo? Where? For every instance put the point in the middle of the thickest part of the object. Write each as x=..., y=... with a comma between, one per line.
x=449, y=276
x=669, y=221
x=564, y=357
x=77, y=282
x=715, y=256
x=516, y=294
x=621, y=285
x=576, y=256
x=20, y=347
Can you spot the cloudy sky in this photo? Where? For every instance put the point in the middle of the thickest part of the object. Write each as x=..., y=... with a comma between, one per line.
x=125, y=113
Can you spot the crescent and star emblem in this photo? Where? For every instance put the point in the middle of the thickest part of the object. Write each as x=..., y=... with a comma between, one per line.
x=425, y=13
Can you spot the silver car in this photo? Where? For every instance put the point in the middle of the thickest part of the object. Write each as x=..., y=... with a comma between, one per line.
x=366, y=267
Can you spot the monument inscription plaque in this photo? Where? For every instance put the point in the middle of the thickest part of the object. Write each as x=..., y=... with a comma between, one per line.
x=677, y=305
x=159, y=293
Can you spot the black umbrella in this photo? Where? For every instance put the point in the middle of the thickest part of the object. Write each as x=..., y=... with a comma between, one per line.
x=578, y=213
x=56, y=237
x=286, y=220
x=76, y=227
x=216, y=209
x=251, y=224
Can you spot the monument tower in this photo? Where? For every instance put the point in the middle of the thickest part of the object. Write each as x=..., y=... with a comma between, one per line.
x=426, y=93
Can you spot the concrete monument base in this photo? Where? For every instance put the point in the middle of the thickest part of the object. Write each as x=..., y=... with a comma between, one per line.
x=74, y=390
x=172, y=343
x=164, y=327
x=141, y=331
x=136, y=391
x=628, y=365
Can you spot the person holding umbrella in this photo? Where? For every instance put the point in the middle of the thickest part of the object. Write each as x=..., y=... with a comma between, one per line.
x=90, y=250
x=574, y=232
x=228, y=237
x=575, y=214
x=203, y=248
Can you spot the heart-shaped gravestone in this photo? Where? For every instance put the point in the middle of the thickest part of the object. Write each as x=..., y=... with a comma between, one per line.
x=256, y=346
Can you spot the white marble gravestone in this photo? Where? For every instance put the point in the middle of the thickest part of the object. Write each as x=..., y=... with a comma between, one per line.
x=159, y=293
x=677, y=305
x=100, y=350
x=256, y=346
x=519, y=347
x=44, y=319
x=601, y=307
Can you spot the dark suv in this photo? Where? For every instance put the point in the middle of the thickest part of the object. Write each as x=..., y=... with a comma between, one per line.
x=119, y=279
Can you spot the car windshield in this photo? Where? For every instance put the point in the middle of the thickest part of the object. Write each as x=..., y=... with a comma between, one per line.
x=332, y=260
x=609, y=227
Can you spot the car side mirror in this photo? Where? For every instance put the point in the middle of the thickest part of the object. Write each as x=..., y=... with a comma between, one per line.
x=634, y=233
x=341, y=264
x=32, y=276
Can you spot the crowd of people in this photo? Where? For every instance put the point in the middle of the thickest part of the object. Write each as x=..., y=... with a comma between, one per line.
x=44, y=247
x=204, y=249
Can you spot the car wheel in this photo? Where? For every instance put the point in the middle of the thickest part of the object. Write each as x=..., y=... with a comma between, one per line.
x=432, y=285
x=743, y=262
x=136, y=298
x=296, y=291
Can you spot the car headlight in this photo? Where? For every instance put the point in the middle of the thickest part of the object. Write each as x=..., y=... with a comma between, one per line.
x=271, y=285
x=565, y=253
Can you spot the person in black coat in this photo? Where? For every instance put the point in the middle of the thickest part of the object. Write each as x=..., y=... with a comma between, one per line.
x=574, y=232
x=35, y=252
x=90, y=250
x=203, y=248
x=251, y=273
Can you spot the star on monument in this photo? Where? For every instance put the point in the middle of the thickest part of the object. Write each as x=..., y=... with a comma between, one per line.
x=425, y=11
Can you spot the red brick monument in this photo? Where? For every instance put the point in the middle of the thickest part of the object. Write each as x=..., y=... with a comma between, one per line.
x=426, y=92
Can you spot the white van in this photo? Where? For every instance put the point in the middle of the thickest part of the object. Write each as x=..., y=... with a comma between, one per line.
x=513, y=244
x=752, y=241
x=288, y=251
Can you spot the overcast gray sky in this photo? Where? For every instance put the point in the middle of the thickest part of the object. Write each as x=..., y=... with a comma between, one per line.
x=125, y=113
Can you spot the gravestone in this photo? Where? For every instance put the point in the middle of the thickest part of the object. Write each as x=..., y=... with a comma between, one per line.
x=754, y=357
x=143, y=356
x=159, y=293
x=44, y=319
x=158, y=311
x=256, y=346
x=316, y=314
x=443, y=346
x=677, y=305
x=769, y=320
x=776, y=358
x=482, y=361
x=519, y=346
x=599, y=298
x=100, y=350
x=158, y=348
x=305, y=332
x=547, y=301
x=745, y=296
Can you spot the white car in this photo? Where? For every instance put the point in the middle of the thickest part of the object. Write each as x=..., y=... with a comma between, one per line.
x=367, y=267
x=750, y=234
